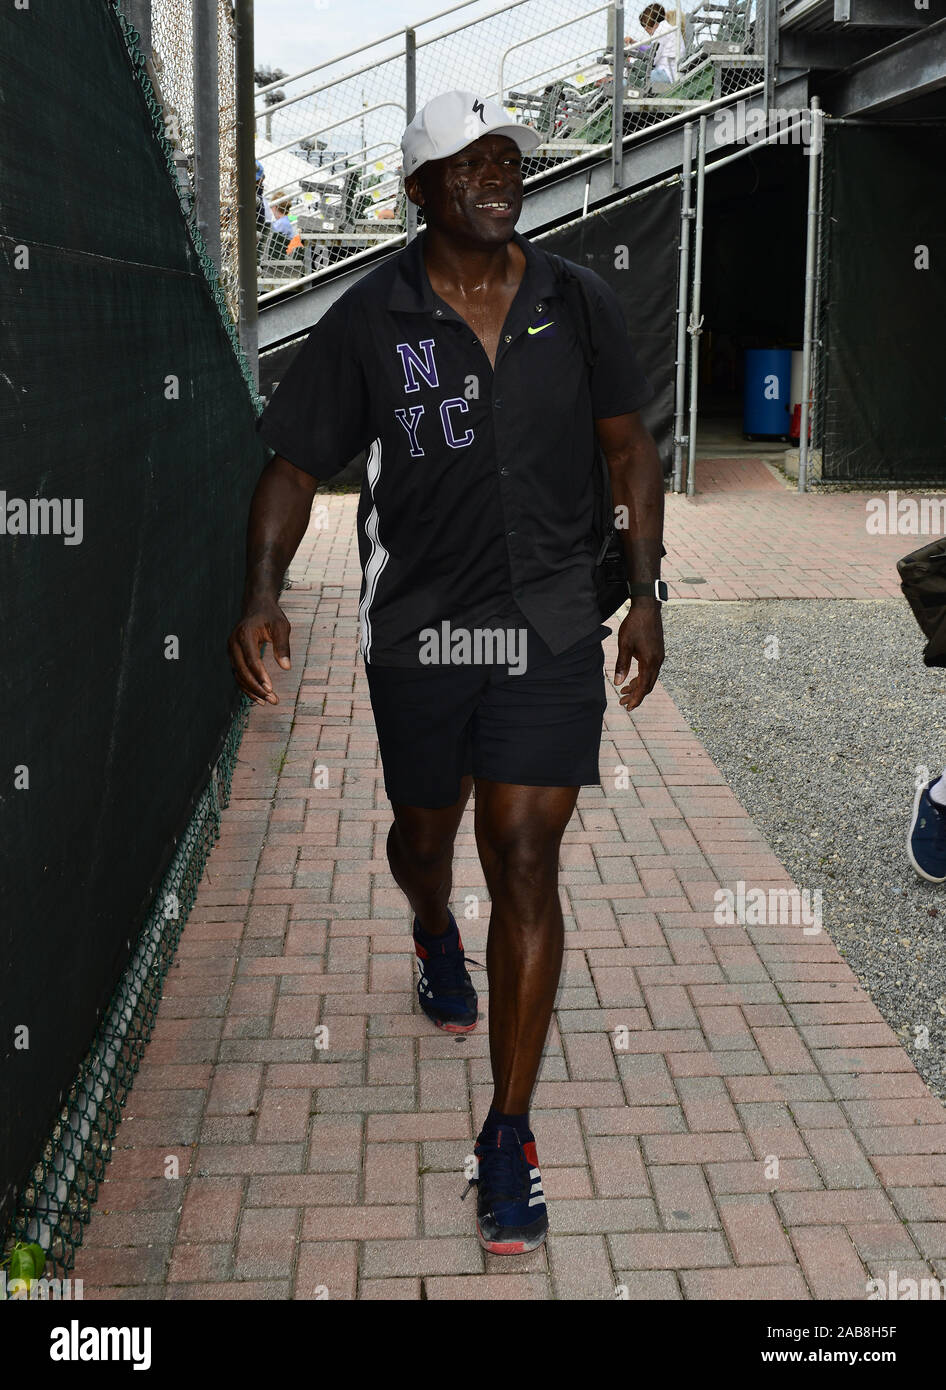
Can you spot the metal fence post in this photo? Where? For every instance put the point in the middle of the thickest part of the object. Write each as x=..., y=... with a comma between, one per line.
x=138, y=14
x=246, y=185
x=410, y=111
x=696, y=319
x=617, y=108
x=769, y=10
x=207, y=126
x=683, y=290
x=811, y=246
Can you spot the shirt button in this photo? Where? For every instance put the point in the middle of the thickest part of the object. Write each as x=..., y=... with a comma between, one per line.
x=539, y=308
x=504, y=472
x=438, y=313
x=510, y=533
x=507, y=338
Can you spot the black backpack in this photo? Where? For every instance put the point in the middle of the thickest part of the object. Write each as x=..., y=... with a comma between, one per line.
x=610, y=568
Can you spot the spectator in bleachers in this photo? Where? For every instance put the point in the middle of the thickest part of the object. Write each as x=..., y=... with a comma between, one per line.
x=264, y=213
x=664, y=37
x=281, y=220
x=283, y=224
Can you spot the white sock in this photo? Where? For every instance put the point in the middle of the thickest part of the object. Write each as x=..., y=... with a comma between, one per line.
x=937, y=791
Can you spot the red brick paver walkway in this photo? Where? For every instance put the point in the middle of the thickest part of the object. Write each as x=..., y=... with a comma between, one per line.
x=747, y=535
x=721, y=1113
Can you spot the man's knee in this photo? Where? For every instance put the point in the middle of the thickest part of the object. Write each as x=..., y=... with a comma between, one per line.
x=519, y=831
x=425, y=844
x=520, y=860
x=426, y=836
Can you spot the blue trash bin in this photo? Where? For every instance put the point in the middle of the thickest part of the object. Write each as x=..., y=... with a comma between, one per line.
x=767, y=400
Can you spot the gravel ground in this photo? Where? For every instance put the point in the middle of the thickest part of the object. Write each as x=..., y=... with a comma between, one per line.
x=821, y=745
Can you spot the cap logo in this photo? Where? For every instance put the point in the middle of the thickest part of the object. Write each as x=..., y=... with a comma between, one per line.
x=479, y=108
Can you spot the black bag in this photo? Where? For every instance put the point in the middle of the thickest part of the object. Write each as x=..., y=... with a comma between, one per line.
x=611, y=579
x=923, y=581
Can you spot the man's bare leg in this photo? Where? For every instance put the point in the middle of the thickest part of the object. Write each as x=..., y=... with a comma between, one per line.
x=420, y=853
x=518, y=834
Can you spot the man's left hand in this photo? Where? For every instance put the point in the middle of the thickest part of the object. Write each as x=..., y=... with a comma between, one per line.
x=640, y=636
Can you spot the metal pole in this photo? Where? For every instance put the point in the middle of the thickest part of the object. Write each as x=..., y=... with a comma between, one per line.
x=617, y=106
x=770, y=39
x=683, y=290
x=138, y=14
x=696, y=319
x=410, y=111
x=207, y=126
x=811, y=247
x=246, y=185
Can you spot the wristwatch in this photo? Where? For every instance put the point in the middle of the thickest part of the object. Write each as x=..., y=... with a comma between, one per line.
x=657, y=590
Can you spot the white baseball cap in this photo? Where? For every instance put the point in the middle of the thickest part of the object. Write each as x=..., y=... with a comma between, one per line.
x=452, y=121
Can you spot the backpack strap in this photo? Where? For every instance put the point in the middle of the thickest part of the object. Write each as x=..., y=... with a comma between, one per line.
x=574, y=295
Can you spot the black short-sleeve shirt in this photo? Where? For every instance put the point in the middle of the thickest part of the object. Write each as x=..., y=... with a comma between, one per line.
x=479, y=487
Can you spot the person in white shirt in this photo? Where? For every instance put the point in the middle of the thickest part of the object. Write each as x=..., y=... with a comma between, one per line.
x=665, y=37
x=280, y=216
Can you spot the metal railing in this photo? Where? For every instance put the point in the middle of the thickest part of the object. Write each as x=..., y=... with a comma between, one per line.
x=543, y=33
x=192, y=65
x=810, y=122
x=561, y=72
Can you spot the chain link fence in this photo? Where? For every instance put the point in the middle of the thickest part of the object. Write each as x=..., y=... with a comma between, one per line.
x=329, y=137
x=172, y=60
x=153, y=300
x=227, y=107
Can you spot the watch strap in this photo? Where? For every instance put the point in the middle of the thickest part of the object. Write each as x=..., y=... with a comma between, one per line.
x=657, y=589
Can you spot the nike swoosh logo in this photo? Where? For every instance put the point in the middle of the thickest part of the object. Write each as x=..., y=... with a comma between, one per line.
x=541, y=326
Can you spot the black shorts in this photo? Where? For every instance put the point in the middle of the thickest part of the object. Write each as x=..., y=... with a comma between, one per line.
x=539, y=728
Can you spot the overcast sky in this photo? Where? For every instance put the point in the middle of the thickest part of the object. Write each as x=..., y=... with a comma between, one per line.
x=296, y=34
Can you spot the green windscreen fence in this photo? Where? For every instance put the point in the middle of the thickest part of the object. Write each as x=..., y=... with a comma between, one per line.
x=128, y=460
x=634, y=246
x=881, y=406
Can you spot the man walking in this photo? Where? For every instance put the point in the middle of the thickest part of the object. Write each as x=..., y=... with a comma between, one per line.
x=458, y=365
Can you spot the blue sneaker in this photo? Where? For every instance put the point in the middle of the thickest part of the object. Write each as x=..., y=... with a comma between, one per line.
x=444, y=990
x=926, y=842
x=511, y=1215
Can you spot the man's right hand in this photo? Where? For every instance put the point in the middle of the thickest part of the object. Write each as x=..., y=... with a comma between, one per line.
x=263, y=621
